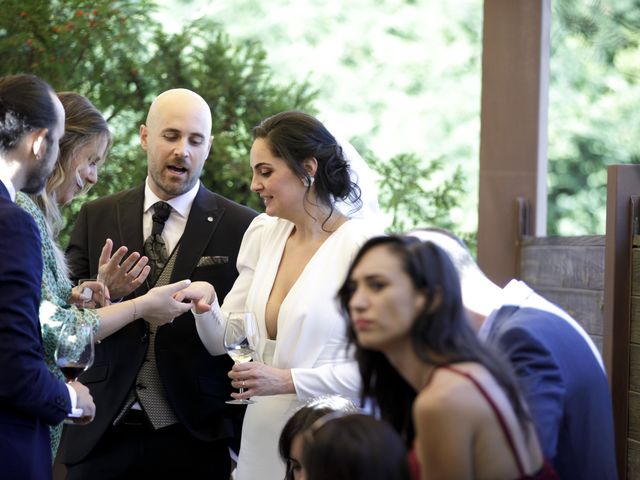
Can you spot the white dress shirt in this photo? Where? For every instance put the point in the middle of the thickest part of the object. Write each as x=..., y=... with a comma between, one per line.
x=177, y=221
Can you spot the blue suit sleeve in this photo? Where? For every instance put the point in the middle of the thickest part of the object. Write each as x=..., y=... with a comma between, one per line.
x=26, y=384
x=541, y=382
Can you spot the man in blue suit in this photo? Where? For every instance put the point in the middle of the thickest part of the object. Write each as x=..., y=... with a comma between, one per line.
x=560, y=369
x=31, y=124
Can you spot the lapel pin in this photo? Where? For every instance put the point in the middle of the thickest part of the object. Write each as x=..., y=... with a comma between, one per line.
x=209, y=219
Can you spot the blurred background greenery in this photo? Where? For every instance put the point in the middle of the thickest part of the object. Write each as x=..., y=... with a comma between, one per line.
x=400, y=78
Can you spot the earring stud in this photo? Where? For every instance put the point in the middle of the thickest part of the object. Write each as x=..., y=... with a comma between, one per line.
x=308, y=181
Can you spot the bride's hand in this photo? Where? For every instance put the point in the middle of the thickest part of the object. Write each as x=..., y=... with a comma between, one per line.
x=158, y=306
x=201, y=294
x=259, y=379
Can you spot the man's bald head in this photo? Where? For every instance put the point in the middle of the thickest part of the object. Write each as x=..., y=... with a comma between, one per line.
x=178, y=98
x=177, y=138
x=478, y=292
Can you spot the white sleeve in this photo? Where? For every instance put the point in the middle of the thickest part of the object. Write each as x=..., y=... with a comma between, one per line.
x=340, y=378
x=210, y=325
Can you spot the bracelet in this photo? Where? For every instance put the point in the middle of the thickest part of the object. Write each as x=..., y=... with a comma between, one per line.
x=134, y=310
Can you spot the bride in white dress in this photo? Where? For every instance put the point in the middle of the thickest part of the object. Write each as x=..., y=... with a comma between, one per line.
x=291, y=263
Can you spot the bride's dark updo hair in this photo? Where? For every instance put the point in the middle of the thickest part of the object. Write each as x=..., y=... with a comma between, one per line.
x=296, y=136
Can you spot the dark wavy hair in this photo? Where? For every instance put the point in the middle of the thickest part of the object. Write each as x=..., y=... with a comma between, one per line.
x=354, y=447
x=304, y=418
x=296, y=136
x=440, y=335
x=26, y=104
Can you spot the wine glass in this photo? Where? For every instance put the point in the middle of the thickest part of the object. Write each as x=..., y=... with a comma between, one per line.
x=241, y=338
x=73, y=355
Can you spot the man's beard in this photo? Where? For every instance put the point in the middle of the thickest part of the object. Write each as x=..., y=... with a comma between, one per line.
x=174, y=189
x=38, y=177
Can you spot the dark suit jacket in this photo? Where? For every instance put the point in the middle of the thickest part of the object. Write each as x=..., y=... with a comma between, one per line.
x=195, y=382
x=30, y=397
x=566, y=390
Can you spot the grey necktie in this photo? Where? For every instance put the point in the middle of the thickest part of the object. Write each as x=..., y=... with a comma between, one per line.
x=154, y=246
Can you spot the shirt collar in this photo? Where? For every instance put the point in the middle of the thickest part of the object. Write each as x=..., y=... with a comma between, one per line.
x=181, y=203
x=516, y=293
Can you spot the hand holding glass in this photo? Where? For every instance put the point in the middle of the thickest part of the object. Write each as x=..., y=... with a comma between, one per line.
x=241, y=340
x=74, y=354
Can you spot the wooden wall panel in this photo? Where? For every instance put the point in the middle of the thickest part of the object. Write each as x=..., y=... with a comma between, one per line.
x=583, y=305
x=568, y=271
x=633, y=459
x=634, y=416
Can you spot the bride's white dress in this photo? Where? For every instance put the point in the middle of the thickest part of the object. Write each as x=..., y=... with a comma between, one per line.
x=311, y=339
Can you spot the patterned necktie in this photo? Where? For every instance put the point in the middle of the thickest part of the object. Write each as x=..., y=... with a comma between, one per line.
x=154, y=246
x=149, y=389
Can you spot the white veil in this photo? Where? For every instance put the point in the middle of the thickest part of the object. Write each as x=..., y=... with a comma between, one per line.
x=364, y=177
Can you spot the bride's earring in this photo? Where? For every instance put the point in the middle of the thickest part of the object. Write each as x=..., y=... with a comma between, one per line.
x=308, y=181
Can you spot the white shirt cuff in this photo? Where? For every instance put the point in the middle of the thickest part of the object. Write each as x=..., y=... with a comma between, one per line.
x=210, y=327
x=73, y=395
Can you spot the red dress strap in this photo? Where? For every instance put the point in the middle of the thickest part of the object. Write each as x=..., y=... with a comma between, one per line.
x=498, y=414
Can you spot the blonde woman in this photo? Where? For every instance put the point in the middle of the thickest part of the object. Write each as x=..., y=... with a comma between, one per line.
x=83, y=149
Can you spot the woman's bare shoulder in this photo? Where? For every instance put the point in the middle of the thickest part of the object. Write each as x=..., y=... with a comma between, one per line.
x=448, y=393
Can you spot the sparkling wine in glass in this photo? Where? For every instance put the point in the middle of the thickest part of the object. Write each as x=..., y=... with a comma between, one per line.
x=73, y=355
x=241, y=340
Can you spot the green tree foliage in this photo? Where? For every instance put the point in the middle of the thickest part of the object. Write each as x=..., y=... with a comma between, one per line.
x=117, y=55
x=417, y=193
x=593, y=109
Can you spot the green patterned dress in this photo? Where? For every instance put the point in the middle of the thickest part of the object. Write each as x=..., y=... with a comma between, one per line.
x=55, y=312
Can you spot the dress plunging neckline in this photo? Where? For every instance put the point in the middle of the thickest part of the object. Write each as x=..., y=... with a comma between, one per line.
x=274, y=273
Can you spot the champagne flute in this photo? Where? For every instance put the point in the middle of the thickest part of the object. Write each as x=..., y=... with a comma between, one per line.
x=73, y=355
x=241, y=338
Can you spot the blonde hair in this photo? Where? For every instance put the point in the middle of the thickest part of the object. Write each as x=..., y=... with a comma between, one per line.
x=83, y=124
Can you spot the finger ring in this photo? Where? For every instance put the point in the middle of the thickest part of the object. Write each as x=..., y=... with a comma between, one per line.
x=243, y=383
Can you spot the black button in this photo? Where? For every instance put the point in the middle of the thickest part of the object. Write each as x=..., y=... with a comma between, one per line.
x=144, y=338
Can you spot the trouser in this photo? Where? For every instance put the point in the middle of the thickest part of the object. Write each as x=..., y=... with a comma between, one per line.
x=133, y=449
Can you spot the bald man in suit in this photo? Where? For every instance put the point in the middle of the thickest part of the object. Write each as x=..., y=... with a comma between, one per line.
x=186, y=428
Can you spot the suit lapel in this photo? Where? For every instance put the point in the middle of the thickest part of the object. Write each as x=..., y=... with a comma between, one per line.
x=204, y=218
x=4, y=193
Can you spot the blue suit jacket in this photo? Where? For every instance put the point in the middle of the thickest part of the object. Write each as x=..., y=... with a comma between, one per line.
x=30, y=397
x=565, y=387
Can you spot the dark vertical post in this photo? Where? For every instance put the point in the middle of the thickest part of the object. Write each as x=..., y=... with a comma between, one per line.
x=513, y=136
x=623, y=183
